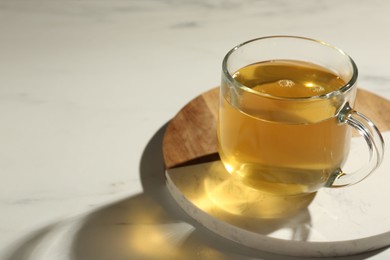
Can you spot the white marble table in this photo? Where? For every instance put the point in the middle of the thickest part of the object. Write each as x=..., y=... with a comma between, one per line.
x=86, y=88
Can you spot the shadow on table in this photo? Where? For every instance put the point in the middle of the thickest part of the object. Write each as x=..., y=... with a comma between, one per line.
x=146, y=226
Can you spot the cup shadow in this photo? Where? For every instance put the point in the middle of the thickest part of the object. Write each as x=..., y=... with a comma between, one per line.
x=149, y=225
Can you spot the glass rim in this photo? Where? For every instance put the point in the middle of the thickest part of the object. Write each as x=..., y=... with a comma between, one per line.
x=345, y=88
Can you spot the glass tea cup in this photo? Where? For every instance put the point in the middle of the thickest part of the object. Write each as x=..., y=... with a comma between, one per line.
x=286, y=115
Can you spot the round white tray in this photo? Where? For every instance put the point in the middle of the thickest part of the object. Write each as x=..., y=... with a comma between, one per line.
x=342, y=221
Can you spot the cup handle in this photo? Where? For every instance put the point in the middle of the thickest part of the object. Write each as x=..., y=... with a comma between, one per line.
x=375, y=142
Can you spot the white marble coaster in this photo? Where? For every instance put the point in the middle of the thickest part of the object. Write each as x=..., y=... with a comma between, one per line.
x=338, y=222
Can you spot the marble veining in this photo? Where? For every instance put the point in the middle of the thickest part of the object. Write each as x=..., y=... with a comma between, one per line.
x=86, y=88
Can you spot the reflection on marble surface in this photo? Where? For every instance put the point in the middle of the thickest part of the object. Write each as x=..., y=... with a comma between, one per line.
x=211, y=188
x=231, y=196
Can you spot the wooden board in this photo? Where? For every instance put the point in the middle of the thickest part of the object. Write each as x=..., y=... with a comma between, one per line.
x=190, y=136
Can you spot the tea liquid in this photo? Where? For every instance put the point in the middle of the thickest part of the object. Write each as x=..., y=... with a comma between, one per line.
x=277, y=146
